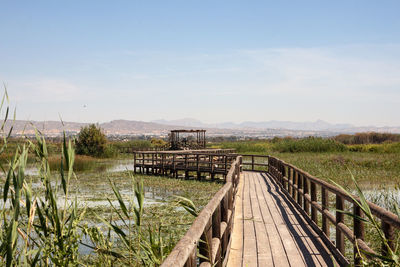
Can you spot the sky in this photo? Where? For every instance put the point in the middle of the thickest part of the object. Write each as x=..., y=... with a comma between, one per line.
x=216, y=61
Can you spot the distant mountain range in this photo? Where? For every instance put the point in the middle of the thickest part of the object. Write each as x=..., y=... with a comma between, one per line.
x=318, y=125
x=162, y=128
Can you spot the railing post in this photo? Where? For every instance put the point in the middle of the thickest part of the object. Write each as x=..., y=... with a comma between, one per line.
x=152, y=163
x=306, y=204
x=134, y=162
x=143, y=163
x=358, y=232
x=252, y=162
x=205, y=245
x=212, y=167
x=173, y=165
x=191, y=261
x=388, y=230
x=163, y=164
x=325, y=207
x=299, y=186
x=283, y=183
x=226, y=165
x=314, y=215
x=290, y=174
x=339, y=219
x=293, y=184
x=224, y=218
x=216, y=233
x=186, y=167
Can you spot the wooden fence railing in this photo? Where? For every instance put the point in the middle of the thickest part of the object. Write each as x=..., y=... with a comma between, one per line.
x=255, y=163
x=131, y=149
x=203, y=161
x=210, y=233
x=312, y=196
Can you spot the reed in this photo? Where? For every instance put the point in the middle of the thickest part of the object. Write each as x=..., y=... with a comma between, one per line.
x=385, y=255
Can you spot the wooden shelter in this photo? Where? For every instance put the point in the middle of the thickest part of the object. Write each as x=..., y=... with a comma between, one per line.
x=180, y=142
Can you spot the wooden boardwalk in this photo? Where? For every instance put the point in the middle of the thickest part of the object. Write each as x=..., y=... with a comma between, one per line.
x=269, y=231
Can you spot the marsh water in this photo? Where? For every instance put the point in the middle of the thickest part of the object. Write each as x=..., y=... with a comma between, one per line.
x=94, y=194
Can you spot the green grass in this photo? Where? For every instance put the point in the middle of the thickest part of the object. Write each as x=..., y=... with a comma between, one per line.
x=373, y=165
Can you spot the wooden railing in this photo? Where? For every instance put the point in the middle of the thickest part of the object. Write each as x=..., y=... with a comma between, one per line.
x=198, y=161
x=312, y=196
x=255, y=163
x=210, y=233
x=131, y=149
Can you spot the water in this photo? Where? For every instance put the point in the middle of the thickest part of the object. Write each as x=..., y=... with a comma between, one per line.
x=385, y=198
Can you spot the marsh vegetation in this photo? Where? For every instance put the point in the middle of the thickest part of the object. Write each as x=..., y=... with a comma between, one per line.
x=55, y=216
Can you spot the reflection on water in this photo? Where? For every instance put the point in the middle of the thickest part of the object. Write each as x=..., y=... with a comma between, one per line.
x=94, y=193
x=121, y=165
x=102, y=166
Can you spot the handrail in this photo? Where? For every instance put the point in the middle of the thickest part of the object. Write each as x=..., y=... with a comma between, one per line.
x=308, y=193
x=191, y=161
x=211, y=230
x=253, y=164
x=301, y=188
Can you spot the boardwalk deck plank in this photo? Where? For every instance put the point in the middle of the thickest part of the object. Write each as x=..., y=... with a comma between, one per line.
x=269, y=231
x=236, y=251
x=249, y=244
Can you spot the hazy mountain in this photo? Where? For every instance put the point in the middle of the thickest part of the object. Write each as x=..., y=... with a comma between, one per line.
x=115, y=127
x=318, y=125
x=163, y=127
x=188, y=122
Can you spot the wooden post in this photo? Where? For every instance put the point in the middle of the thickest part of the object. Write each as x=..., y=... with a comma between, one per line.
x=290, y=174
x=293, y=184
x=325, y=206
x=299, y=186
x=173, y=162
x=306, y=204
x=388, y=230
x=224, y=218
x=216, y=233
x=339, y=219
x=152, y=163
x=252, y=162
x=225, y=165
x=163, y=163
x=192, y=260
x=314, y=215
x=205, y=246
x=358, y=232
x=143, y=163
x=134, y=162
x=212, y=168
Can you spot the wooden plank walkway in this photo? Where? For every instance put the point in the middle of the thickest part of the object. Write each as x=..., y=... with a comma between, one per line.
x=269, y=231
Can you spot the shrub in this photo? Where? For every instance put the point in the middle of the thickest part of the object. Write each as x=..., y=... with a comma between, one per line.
x=91, y=141
x=158, y=143
x=367, y=138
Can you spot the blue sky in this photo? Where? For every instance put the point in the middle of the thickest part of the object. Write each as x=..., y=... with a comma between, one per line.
x=212, y=60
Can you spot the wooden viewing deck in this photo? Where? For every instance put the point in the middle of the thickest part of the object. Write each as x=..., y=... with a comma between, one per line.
x=190, y=163
x=279, y=215
x=269, y=231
